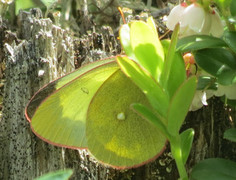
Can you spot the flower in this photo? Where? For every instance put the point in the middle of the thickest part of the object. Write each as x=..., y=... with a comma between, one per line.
x=175, y=15
x=228, y=91
x=200, y=99
x=6, y=1
x=217, y=27
x=194, y=19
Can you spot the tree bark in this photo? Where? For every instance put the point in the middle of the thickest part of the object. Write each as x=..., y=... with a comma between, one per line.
x=41, y=52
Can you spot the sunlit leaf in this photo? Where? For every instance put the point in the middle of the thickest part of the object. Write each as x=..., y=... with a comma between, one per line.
x=151, y=88
x=147, y=48
x=177, y=70
x=124, y=34
x=169, y=63
x=48, y=3
x=186, y=143
x=180, y=104
x=23, y=5
x=151, y=23
x=155, y=119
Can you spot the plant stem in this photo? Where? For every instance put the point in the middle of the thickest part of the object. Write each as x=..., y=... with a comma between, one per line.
x=177, y=154
x=181, y=169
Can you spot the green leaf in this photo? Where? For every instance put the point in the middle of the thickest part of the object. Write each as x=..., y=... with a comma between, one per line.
x=206, y=82
x=49, y=3
x=155, y=94
x=170, y=57
x=116, y=135
x=230, y=102
x=218, y=62
x=124, y=35
x=230, y=39
x=60, y=118
x=155, y=119
x=23, y=5
x=177, y=70
x=223, y=4
x=151, y=23
x=230, y=134
x=214, y=169
x=186, y=143
x=58, y=175
x=180, y=104
x=147, y=48
x=197, y=42
x=233, y=8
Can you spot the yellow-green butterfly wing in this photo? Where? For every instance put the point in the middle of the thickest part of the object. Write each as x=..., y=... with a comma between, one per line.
x=57, y=113
x=116, y=135
x=90, y=108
